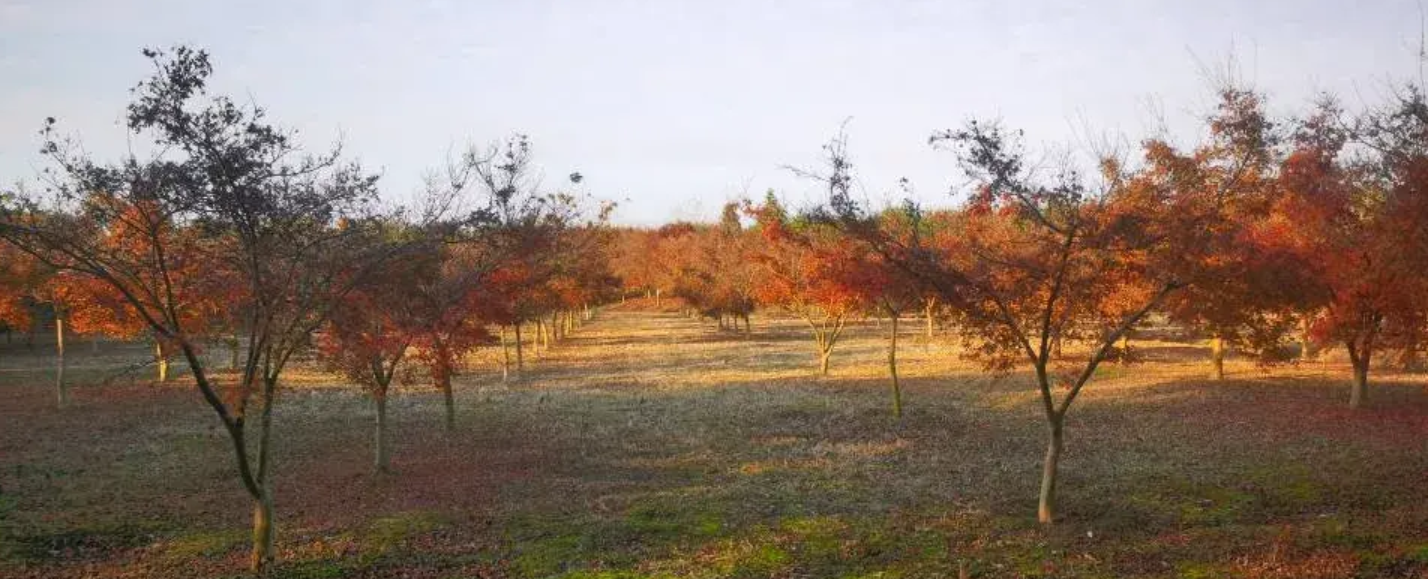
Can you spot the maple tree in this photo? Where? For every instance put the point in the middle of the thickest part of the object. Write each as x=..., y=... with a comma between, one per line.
x=226, y=192
x=883, y=289
x=799, y=262
x=1030, y=262
x=1248, y=291
x=1354, y=192
x=370, y=332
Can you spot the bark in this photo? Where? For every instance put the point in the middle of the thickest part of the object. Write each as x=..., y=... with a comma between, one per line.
x=1217, y=358
x=1046, y=508
x=748, y=326
x=263, y=533
x=233, y=353
x=1125, y=349
x=450, y=401
x=892, y=368
x=61, y=390
x=823, y=355
x=382, y=461
x=928, y=311
x=161, y=360
x=1307, y=351
x=520, y=354
x=1360, y=359
x=505, y=356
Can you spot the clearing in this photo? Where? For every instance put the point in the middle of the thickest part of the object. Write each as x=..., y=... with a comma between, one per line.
x=652, y=445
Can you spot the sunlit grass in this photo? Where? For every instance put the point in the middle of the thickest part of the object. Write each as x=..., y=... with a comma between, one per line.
x=655, y=446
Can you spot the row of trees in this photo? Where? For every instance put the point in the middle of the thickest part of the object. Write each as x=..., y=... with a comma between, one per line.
x=1273, y=237
x=1265, y=233
x=231, y=234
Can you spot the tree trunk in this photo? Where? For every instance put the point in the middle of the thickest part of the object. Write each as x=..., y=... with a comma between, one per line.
x=1307, y=351
x=892, y=368
x=1125, y=348
x=931, y=319
x=505, y=356
x=1046, y=509
x=748, y=326
x=450, y=401
x=1217, y=358
x=382, y=462
x=161, y=360
x=823, y=355
x=61, y=390
x=263, y=533
x=1359, y=394
x=263, y=523
x=520, y=355
x=233, y=353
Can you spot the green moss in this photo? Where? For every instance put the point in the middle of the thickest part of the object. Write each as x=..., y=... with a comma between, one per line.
x=91, y=540
x=549, y=557
x=1419, y=553
x=387, y=533
x=611, y=575
x=310, y=570
x=764, y=559
x=206, y=543
x=1199, y=571
x=662, y=521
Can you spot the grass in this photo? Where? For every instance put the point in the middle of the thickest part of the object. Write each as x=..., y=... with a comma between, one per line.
x=652, y=446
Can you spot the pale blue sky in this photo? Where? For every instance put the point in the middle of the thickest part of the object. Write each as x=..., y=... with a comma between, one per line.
x=678, y=106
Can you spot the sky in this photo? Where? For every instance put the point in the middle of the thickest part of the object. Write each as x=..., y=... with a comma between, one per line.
x=671, y=108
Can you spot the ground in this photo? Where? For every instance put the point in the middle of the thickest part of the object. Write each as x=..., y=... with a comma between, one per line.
x=653, y=445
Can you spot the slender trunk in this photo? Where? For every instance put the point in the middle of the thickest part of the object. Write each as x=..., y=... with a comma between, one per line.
x=382, y=461
x=1125, y=348
x=658, y=292
x=233, y=353
x=450, y=401
x=748, y=326
x=263, y=521
x=931, y=318
x=1046, y=509
x=263, y=533
x=61, y=390
x=1307, y=351
x=892, y=368
x=520, y=354
x=1217, y=358
x=161, y=359
x=1360, y=359
x=505, y=356
x=539, y=341
x=825, y=351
